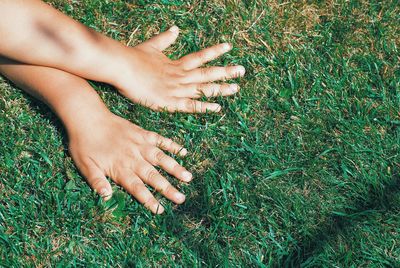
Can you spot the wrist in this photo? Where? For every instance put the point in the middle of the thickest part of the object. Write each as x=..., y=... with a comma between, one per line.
x=115, y=64
x=80, y=112
x=121, y=66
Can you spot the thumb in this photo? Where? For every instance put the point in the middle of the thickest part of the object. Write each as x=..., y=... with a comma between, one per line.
x=163, y=40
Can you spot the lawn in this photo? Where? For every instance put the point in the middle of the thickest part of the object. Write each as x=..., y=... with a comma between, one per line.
x=302, y=168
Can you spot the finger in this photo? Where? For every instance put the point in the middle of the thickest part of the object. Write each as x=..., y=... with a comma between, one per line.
x=164, y=39
x=134, y=186
x=197, y=59
x=152, y=177
x=187, y=105
x=96, y=179
x=165, y=143
x=207, y=90
x=211, y=74
x=156, y=157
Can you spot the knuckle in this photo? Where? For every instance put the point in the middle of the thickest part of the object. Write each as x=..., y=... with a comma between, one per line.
x=85, y=162
x=151, y=174
x=159, y=156
x=202, y=55
x=232, y=72
x=206, y=92
x=224, y=87
x=204, y=71
x=168, y=142
x=150, y=201
x=162, y=186
x=176, y=63
x=135, y=187
x=189, y=105
x=200, y=106
x=169, y=188
x=166, y=188
x=200, y=90
x=151, y=137
x=162, y=142
x=144, y=135
x=157, y=108
x=215, y=90
x=176, y=167
x=179, y=63
x=95, y=182
x=178, y=74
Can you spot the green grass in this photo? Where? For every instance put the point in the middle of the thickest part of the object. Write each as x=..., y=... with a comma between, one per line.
x=302, y=168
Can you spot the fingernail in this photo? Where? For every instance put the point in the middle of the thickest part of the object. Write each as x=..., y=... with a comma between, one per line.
x=180, y=197
x=241, y=70
x=234, y=88
x=107, y=197
x=183, y=152
x=174, y=29
x=187, y=176
x=158, y=209
x=227, y=47
x=216, y=107
x=105, y=194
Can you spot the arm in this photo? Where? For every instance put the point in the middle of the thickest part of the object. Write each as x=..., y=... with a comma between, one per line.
x=35, y=33
x=101, y=143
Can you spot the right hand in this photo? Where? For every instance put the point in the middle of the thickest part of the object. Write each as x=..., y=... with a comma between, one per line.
x=110, y=146
x=151, y=79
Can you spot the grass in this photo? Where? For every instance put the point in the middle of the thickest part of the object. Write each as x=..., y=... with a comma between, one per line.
x=301, y=169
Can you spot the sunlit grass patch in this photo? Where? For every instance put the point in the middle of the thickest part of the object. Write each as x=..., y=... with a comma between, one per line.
x=301, y=168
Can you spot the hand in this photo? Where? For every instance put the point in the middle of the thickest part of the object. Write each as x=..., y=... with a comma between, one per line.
x=152, y=79
x=113, y=147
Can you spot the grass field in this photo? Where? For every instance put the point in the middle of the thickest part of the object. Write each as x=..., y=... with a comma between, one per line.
x=302, y=168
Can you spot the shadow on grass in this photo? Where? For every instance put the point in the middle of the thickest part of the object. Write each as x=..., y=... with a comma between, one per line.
x=305, y=252
x=45, y=112
x=196, y=209
x=193, y=210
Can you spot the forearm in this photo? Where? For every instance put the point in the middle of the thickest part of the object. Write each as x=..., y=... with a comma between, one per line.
x=35, y=33
x=70, y=97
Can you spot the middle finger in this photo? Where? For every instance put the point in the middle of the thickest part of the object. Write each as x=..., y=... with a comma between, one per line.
x=211, y=74
x=152, y=177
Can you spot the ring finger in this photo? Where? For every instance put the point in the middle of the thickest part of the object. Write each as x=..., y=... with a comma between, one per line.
x=196, y=91
x=153, y=178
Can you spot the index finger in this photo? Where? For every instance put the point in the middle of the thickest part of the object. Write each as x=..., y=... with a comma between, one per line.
x=165, y=143
x=197, y=59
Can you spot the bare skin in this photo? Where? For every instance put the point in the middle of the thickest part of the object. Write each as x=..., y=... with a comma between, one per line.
x=62, y=53
x=142, y=73
x=101, y=143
